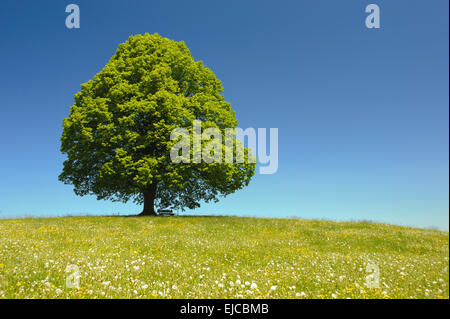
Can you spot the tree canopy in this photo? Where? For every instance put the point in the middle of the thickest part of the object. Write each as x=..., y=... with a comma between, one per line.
x=117, y=137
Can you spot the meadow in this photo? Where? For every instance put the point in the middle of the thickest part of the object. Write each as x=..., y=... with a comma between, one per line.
x=219, y=257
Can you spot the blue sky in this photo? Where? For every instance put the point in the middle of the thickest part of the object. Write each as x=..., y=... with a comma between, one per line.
x=362, y=113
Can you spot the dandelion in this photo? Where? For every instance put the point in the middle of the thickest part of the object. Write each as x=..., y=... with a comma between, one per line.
x=108, y=265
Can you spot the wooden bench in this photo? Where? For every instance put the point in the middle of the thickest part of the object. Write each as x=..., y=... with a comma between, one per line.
x=165, y=212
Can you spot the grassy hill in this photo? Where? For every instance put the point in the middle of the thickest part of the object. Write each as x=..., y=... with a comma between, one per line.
x=219, y=257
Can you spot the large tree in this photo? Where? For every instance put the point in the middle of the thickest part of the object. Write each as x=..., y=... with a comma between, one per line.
x=118, y=135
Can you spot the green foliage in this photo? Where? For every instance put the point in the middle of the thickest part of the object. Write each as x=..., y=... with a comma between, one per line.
x=117, y=136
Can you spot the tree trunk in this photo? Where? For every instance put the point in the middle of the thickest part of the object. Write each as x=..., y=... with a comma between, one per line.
x=149, y=200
